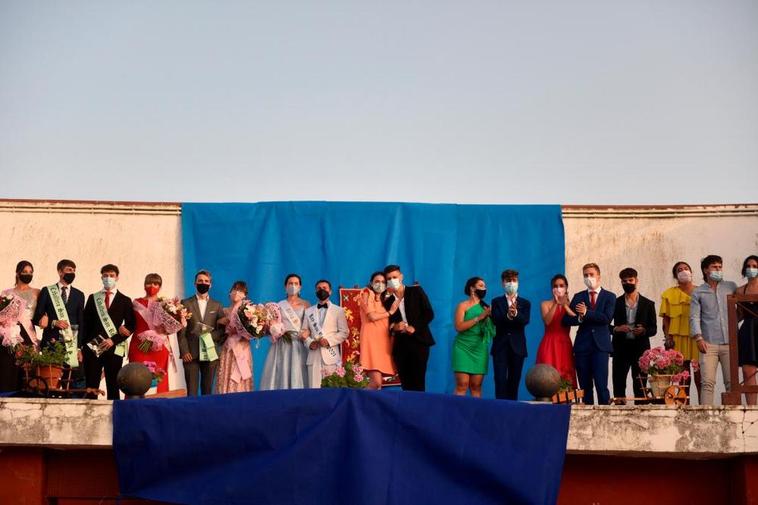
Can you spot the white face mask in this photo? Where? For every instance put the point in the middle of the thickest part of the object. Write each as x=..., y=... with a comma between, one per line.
x=293, y=289
x=394, y=283
x=378, y=287
x=511, y=288
x=684, y=276
x=109, y=282
x=591, y=282
x=559, y=291
x=751, y=272
x=716, y=275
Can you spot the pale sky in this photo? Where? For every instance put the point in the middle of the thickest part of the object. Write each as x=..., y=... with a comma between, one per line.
x=573, y=102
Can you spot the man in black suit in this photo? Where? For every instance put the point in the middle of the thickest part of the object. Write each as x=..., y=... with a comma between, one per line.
x=409, y=326
x=634, y=322
x=108, y=320
x=57, y=327
x=198, y=340
x=511, y=314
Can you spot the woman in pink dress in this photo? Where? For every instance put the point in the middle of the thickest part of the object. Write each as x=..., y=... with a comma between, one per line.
x=235, y=369
x=556, y=349
x=376, y=346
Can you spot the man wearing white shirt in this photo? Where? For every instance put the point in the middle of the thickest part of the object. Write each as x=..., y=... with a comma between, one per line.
x=326, y=327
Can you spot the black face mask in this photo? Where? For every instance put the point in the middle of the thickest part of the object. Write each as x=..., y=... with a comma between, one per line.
x=25, y=278
x=69, y=277
x=628, y=288
x=202, y=288
x=480, y=293
x=322, y=294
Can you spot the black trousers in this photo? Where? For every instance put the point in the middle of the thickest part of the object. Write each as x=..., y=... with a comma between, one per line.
x=507, y=366
x=410, y=358
x=200, y=373
x=10, y=374
x=93, y=370
x=624, y=359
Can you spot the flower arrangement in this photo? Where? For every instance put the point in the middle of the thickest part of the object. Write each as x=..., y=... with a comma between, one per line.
x=660, y=361
x=257, y=318
x=51, y=355
x=348, y=376
x=164, y=317
x=11, y=309
x=177, y=312
x=158, y=373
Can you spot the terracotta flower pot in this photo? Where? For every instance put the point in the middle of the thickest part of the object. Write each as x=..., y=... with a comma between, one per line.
x=51, y=374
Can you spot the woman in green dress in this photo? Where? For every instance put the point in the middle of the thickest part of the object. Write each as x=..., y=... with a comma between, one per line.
x=472, y=344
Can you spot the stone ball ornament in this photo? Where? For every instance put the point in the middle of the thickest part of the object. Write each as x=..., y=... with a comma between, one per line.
x=134, y=379
x=543, y=381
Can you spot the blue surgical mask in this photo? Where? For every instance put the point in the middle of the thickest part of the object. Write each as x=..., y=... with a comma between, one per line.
x=394, y=283
x=716, y=275
x=109, y=282
x=751, y=272
x=510, y=287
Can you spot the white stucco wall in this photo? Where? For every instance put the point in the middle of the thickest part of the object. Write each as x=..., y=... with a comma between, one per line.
x=143, y=238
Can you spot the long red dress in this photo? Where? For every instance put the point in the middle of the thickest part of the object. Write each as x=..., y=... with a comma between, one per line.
x=160, y=358
x=556, y=349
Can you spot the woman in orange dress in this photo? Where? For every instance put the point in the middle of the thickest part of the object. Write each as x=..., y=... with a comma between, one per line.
x=376, y=346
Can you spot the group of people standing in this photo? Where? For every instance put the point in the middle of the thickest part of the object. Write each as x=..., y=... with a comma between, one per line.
x=395, y=336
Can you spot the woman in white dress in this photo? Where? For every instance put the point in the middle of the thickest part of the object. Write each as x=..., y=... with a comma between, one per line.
x=285, y=363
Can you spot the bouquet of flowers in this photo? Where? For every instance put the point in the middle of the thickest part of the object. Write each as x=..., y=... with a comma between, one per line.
x=348, y=376
x=11, y=309
x=257, y=318
x=158, y=373
x=163, y=317
x=660, y=361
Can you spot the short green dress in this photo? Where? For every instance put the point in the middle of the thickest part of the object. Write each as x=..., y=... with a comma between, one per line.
x=471, y=350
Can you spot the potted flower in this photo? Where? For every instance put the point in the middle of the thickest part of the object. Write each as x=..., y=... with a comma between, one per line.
x=47, y=363
x=567, y=393
x=348, y=376
x=664, y=368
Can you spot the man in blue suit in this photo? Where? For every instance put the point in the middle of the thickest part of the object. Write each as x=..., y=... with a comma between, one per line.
x=592, y=345
x=45, y=315
x=510, y=313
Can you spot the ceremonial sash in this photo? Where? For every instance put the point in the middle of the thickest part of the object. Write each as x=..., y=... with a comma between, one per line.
x=316, y=325
x=107, y=322
x=61, y=314
x=207, y=348
x=291, y=315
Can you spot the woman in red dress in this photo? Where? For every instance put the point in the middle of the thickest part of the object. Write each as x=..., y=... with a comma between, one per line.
x=159, y=356
x=556, y=349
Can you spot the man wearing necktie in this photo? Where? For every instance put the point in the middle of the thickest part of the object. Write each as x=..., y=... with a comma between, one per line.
x=592, y=347
x=119, y=310
x=326, y=329
x=45, y=315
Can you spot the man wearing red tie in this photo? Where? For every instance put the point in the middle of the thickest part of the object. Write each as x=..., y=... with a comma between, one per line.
x=108, y=322
x=592, y=347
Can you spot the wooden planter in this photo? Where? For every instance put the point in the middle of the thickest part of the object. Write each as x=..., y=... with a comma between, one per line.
x=568, y=396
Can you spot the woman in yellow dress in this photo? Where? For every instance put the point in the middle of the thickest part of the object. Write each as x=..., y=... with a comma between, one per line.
x=675, y=311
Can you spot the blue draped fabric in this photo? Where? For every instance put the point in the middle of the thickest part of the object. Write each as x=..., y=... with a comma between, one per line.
x=339, y=446
x=438, y=245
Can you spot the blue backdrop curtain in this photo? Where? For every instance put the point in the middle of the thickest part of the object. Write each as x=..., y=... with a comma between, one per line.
x=438, y=245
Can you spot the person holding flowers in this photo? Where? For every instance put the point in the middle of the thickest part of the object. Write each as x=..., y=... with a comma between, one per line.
x=285, y=363
x=156, y=318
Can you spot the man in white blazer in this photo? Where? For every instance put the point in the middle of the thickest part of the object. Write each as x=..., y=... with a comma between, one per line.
x=326, y=329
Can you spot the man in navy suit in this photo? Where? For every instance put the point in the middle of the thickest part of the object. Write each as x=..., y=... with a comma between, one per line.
x=592, y=346
x=45, y=315
x=510, y=313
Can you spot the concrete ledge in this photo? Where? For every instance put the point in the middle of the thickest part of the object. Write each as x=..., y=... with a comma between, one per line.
x=645, y=431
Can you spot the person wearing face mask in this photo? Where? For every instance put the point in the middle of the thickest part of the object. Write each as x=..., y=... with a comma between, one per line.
x=235, y=369
x=197, y=341
x=108, y=322
x=143, y=333
x=326, y=329
x=60, y=313
x=555, y=348
x=471, y=347
x=409, y=327
x=708, y=324
x=510, y=313
x=675, y=319
x=747, y=335
x=634, y=322
x=375, y=343
x=10, y=373
x=592, y=346
x=285, y=362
